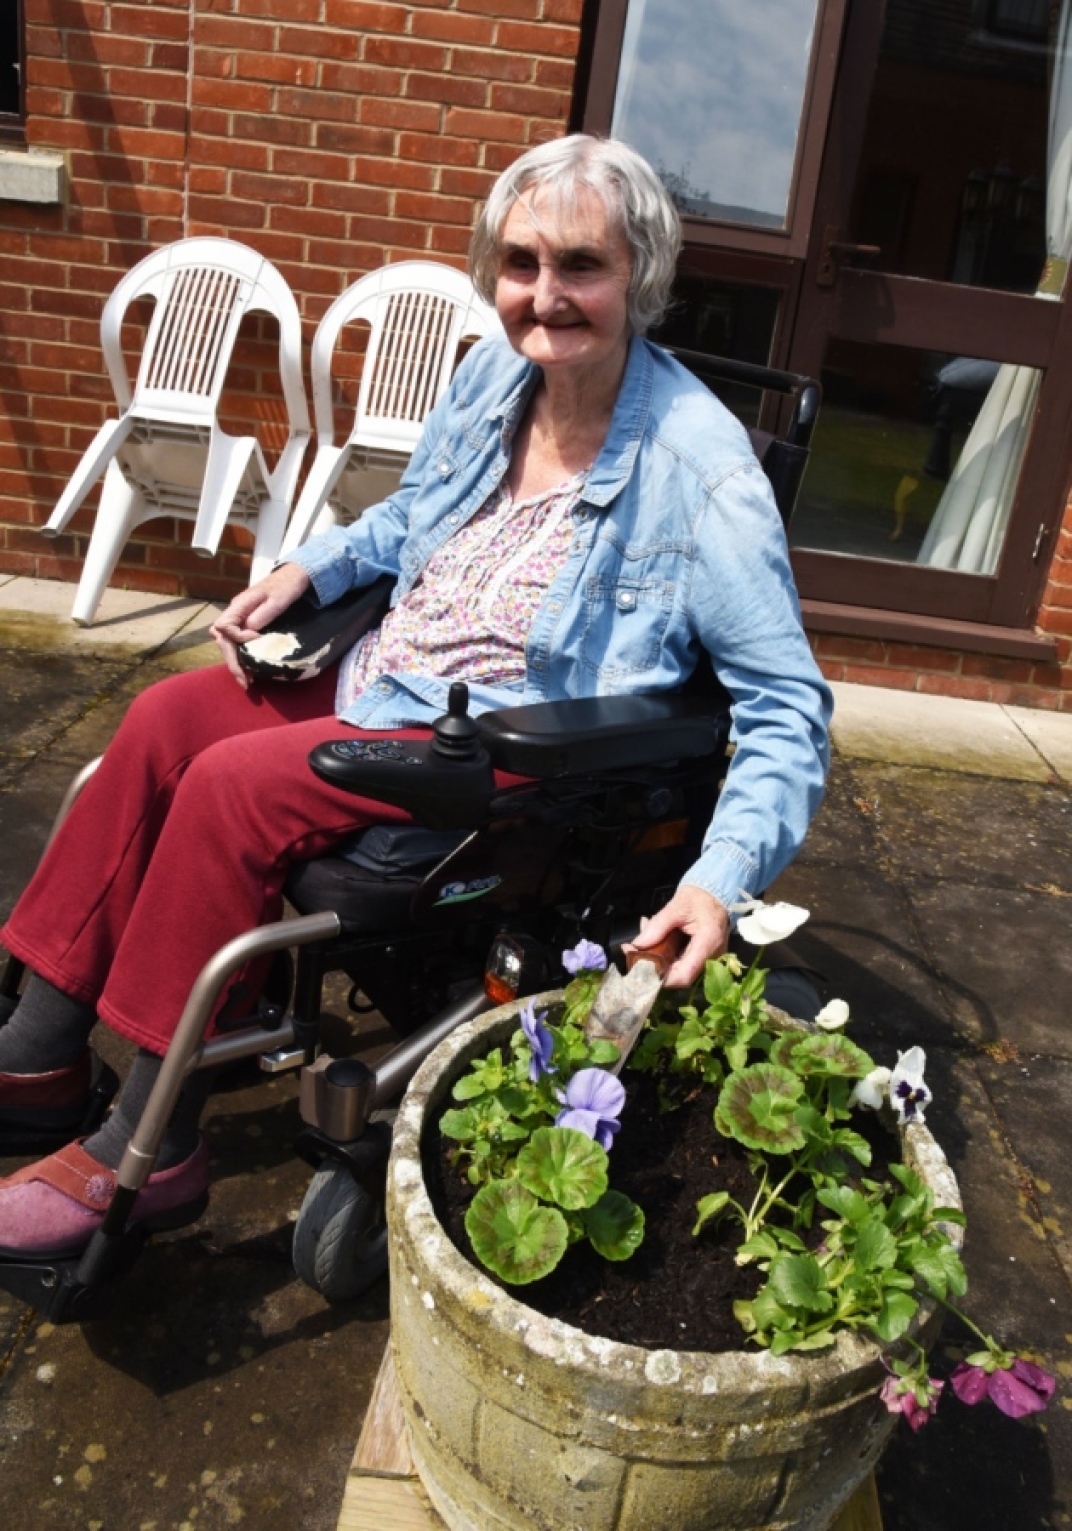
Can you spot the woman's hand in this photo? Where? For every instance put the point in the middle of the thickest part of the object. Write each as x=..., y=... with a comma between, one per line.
x=701, y=919
x=249, y=613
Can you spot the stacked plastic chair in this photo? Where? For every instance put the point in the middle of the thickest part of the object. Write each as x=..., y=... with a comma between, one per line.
x=167, y=454
x=418, y=313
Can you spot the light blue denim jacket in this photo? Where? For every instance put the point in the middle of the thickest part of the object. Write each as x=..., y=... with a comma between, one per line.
x=677, y=547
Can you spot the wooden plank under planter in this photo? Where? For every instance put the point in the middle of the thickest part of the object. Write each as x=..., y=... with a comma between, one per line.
x=383, y=1492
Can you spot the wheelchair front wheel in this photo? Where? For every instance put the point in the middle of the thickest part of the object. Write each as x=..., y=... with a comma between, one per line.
x=340, y=1238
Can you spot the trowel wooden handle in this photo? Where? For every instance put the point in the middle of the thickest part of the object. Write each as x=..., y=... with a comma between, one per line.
x=663, y=956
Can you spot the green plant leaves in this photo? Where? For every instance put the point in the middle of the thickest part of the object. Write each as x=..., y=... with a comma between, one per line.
x=798, y=1281
x=614, y=1225
x=875, y=1247
x=709, y=1207
x=897, y=1312
x=562, y=1165
x=822, y=1053
x=757, y=1106
x=512, y=1234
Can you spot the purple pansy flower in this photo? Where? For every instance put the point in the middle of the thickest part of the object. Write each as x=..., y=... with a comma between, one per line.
x=900, y=1396
x=593, y=1101
x=586, y=956
x=1019, y=1389
x=540, y=1040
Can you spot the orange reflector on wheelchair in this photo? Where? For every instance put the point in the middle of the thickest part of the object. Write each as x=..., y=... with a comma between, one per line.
x=504, y=969
x=658, y=837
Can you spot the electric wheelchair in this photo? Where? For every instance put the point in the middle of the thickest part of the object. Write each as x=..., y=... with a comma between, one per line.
x=436, y=921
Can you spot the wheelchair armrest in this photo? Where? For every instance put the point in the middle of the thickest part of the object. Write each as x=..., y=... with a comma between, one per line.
x=307, y=637
x=602, y=733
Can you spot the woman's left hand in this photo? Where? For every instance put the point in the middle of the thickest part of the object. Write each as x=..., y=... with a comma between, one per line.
x=253, y=609
x=701, y=919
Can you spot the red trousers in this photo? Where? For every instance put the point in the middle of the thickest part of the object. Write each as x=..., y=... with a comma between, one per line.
x=181, y=841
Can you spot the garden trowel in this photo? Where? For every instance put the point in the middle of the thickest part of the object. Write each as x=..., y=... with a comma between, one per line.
x=622, y=1005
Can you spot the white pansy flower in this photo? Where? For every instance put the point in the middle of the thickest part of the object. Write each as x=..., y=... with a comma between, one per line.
x=871, y=1090
x=833, y=1015
x=909, y=1096
x=765, y=923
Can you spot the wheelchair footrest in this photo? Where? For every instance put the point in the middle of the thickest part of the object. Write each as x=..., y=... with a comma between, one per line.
x=61, y=1291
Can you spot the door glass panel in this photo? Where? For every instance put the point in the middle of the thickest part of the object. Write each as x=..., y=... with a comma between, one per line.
x=915, y=456
x=953, y=176
x=724, y=319
x=712, y=95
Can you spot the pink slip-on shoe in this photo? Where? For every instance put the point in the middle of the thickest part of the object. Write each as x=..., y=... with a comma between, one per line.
x=53, y=1208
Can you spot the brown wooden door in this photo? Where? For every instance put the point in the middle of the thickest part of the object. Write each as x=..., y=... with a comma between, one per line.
x=896, y=257
x=935, y=165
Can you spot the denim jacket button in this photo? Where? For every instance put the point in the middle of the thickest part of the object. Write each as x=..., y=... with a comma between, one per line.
x=452, y=519
x=444, y=469
x=626, y=600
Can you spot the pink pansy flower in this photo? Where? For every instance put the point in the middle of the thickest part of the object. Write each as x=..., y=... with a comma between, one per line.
x=901, y=1396
x=1019, y=1389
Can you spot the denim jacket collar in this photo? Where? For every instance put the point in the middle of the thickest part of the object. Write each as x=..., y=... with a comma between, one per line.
x=629, y=421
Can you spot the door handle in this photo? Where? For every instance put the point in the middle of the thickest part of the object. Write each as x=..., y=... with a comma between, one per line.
x=834, y=251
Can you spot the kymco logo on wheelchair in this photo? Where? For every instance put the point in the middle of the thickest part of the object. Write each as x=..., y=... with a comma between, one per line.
x=461, y=892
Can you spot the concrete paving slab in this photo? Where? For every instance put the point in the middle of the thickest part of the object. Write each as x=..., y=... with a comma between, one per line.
x=942, y=824
x=1050, y=733
x=42, y=694
x=125, y=618
x=842, y=832
x=1004, y=961
x=861, y=940
x=950, y=733
x=1031, y=1094
x=192, y=645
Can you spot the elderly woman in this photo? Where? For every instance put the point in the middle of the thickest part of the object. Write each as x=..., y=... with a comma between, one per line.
x=582, y=517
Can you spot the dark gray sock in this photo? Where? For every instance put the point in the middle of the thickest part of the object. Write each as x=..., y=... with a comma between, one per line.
x=48, y=1030
x=181, y=1135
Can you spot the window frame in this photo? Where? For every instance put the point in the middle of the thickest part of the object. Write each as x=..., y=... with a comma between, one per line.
x=604, y=25
x=13, y=124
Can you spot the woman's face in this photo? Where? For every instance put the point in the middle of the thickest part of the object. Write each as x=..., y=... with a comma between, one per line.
x=562, y=284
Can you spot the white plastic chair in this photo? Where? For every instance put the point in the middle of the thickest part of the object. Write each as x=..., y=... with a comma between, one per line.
x=167, y=455
x=418, y=312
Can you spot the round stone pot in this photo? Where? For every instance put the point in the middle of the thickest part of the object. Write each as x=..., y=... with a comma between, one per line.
x=520, y=1421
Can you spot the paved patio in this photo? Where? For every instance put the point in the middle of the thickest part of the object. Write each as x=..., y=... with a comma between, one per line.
x=221, y=1391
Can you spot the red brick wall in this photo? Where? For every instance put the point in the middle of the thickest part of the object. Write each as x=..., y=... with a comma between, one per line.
x=330, y=135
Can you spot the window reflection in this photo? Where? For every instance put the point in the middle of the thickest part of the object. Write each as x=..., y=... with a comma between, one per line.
x=724, y=319
x=954, y=166
x=901, y=457
x=712, y=94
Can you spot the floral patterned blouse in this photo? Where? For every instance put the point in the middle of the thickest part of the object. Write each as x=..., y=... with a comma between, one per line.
x=468, y=616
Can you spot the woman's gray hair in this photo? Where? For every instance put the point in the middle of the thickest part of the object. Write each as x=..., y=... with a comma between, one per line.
x=635, y=200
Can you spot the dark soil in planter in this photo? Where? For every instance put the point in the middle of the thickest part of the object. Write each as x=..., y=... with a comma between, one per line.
x=676, y=1292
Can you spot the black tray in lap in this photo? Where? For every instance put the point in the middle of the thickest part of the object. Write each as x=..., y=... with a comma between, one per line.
x=307, y=638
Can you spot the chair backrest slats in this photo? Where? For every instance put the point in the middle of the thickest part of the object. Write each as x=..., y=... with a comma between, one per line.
x=200, y=307
x=407, y=366
x=174, y=337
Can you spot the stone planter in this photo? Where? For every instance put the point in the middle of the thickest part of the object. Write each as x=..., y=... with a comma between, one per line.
x=520, y=1421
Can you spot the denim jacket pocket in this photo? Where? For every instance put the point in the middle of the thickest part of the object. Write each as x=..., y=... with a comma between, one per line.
x=625, y=622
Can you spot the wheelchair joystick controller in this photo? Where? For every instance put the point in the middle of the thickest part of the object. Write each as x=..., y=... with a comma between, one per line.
x=454, y=734
x=445, y=782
